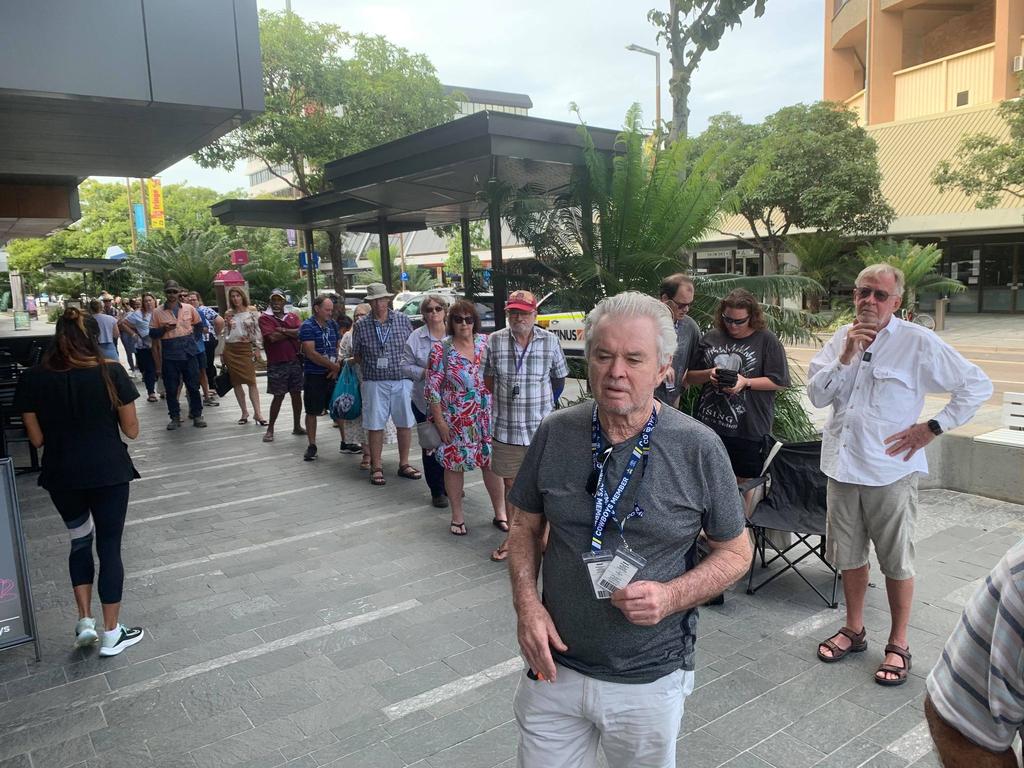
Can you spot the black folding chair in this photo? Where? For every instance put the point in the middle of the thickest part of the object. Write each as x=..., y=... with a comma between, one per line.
x=794, y=503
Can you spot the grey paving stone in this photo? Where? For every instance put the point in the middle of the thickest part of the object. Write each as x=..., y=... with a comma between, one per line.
x=84, y=721
x=256, y=745
x=355, y=742
x=829, y=727
x=894, y=726
x=433, y=737
x=482, y=751
x=746, y=760
x=199, y=734
x=783, y=751
x=726, y=693
x=702, y=750
x=18, y=761
x=886, y=760
x=376, y=756
x=308, y=746
x=415, y=682
x=285, y=702
x=63, y=754
x=852, y=754
x=749, y=724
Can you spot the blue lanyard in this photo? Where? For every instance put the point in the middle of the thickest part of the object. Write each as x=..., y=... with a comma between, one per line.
x=517, y=357
x=381, y=336
x=605, y=505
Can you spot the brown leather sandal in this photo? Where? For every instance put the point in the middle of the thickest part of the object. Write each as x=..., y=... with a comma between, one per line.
x=900, y=672
x=858, y=643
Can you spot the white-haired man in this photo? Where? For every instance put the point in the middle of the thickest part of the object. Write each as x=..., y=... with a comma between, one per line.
x=875, y=373
x=610, y=645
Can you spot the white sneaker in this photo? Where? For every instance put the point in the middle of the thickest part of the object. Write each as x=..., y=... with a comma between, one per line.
x=117, y=640
x=85, y=632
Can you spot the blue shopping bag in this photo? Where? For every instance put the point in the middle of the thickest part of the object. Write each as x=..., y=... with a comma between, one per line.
x=346, y=402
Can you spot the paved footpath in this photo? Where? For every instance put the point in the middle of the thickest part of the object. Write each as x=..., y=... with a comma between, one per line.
x=297, y=616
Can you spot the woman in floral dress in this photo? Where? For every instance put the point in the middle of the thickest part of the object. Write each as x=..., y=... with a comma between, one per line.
x=460, y=407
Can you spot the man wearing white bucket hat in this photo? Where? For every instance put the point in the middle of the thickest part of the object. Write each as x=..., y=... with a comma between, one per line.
x=378, y=343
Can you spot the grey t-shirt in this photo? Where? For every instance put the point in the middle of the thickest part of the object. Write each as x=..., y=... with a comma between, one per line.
x=688, y=485
x=687, y=339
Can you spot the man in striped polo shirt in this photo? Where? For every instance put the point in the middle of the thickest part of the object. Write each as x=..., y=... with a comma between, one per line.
x=975, y=703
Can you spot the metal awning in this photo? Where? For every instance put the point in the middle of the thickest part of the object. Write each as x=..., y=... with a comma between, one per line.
x=84, y=265
x=433, y=178
x=430, y=178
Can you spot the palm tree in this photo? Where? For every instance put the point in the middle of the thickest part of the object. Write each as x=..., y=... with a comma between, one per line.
x=269, y=270
x=917, y=262
x=821, y=259
x=191, y=257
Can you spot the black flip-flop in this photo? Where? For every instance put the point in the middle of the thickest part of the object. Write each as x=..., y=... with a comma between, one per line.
x=501, y=525
x=457, y=529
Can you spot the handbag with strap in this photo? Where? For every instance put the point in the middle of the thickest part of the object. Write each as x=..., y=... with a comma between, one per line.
x=426, y=431
x=222, y=381
x=346, y=402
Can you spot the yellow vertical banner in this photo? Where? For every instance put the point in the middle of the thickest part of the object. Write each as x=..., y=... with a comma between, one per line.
x=156, y=204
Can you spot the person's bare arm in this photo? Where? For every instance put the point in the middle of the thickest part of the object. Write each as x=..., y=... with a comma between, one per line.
x=957, y=751
x=536, y=630
x=648, y=602
x=32, y=429
x=309, y=350
x=128, y=420
x=694, y=378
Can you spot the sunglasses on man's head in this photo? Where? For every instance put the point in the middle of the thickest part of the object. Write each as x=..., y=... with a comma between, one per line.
x=462, y=319
x=880, y=296
x=735, y=320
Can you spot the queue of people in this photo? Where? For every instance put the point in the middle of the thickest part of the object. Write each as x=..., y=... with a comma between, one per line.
x=604, y=500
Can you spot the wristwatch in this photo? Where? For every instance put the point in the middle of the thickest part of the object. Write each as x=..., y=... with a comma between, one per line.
x=935, y=427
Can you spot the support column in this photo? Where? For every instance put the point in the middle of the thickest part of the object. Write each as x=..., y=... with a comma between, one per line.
x=385, y=250
x=1009, y=28
x=307, y=237
x=497, y=267
x=467, y=259
x=885, y=56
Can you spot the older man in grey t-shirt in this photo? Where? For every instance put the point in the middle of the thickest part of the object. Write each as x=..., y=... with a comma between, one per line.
x=676, y=292
x=624, y=484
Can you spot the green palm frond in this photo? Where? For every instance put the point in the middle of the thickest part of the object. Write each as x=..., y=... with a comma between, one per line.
x=190, y=257
x=917, y=262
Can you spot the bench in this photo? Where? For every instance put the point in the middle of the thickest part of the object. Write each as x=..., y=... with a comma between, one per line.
x=1012, y=431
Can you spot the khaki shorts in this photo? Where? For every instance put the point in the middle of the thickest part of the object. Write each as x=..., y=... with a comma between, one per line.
x=506, y=459
x=885, y=515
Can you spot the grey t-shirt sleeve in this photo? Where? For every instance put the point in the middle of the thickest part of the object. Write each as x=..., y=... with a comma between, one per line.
x=525, y=492
x=722, y=518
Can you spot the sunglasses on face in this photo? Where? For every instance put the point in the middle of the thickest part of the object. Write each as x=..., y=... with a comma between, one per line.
x=462, y=319
x=171, y=292
x=735, y=320
x=880, y=296
x=678, y=304
x=431, y=310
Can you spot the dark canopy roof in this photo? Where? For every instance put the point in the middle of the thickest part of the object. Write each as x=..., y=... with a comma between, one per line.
x=430, y=178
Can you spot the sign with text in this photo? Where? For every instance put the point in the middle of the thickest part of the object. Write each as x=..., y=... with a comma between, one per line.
x=17, y=625
x=156, y=204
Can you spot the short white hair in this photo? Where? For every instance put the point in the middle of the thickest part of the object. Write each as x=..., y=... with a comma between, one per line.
x=877, y=270
x=632, y=304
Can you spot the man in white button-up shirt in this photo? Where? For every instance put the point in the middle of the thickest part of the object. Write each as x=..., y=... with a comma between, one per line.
x=875, y=374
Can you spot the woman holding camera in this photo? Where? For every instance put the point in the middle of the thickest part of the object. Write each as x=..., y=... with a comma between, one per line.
x=740, y=364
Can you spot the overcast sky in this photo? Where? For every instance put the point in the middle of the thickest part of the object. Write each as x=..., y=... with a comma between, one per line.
x=562, y=51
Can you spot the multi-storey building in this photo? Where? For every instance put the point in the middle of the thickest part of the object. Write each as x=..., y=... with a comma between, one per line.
x=922, y=74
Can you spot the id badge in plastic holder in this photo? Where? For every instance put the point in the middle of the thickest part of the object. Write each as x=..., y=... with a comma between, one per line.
x=621, y=569
x=382, y=363
x=596, y=563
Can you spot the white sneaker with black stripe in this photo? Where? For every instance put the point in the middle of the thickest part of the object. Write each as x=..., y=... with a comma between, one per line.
x=85, y=632
x=116, y=640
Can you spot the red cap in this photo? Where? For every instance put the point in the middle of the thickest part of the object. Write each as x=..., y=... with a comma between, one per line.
x=524, y=301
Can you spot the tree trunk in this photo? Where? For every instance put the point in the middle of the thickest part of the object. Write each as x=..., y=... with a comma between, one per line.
x=679, y=88
x=337, y=261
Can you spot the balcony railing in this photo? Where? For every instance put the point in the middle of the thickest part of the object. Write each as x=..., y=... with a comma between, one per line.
x=934, y=86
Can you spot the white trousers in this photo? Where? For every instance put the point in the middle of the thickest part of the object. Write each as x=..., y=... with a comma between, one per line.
x=562, y=723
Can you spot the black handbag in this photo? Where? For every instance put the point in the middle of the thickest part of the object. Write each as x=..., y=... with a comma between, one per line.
x=222, y=381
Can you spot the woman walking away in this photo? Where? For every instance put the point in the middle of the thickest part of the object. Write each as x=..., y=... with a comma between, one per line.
x=107, y=329
x=77, y=403
x=741, y=364
x=414, y=365
x=242, y=340
x=136, y=324
x=460, y=407
x=127, y=337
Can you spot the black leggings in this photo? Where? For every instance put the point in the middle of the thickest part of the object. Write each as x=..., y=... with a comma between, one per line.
x=101, y=510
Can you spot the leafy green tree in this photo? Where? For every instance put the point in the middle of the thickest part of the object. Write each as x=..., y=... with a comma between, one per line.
x=192, y=258
x=986, y=167
x=691, y=28
x=478, y=239
x=822, y=173
x=917, y=262
x=321, y=106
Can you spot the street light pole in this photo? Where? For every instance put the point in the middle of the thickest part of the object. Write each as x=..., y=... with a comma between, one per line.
x=657, y=79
